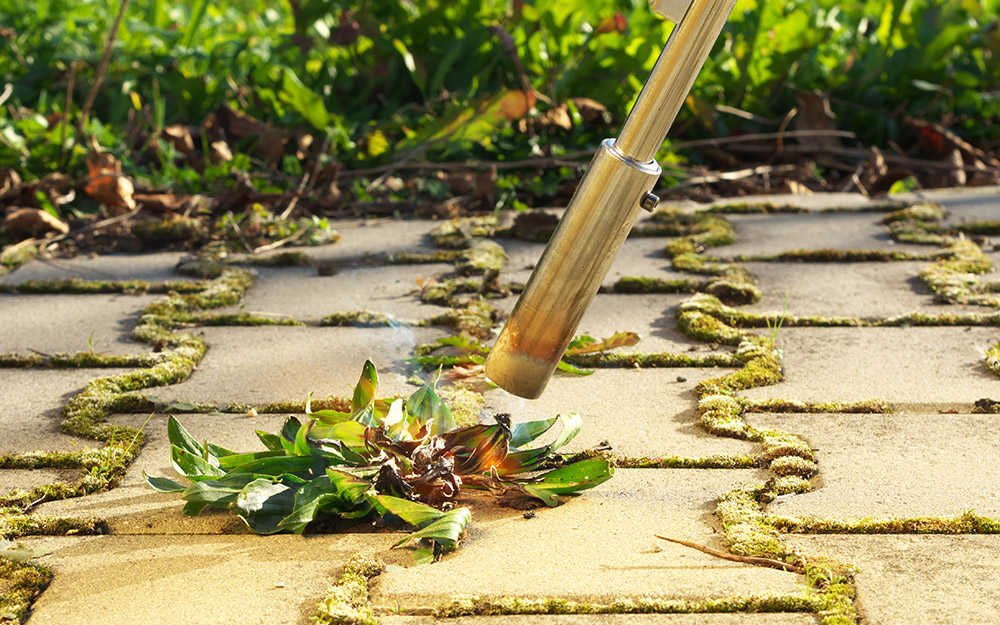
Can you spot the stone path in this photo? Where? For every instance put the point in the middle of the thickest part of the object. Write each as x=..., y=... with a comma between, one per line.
x=869, y=465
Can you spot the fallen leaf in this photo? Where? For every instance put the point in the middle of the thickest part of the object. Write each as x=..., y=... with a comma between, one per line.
x=219, y=152
x=179, y=136
x=815, y=114
x=32, y=221
x=162, y=202
x=10, y=182
x=107, y=184
x=592, y=111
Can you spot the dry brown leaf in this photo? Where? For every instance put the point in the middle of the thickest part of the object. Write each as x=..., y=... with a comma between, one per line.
x=592, y=111
x=179, y=136
x=107, y=184
x=32, y=221
x=10, y=182
x=815, y=114
x=162, y=202
x=219, y=152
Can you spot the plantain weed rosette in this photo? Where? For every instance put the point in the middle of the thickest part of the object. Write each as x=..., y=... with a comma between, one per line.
x=400, y=460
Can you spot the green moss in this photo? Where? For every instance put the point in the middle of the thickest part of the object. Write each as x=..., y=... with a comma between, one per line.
x=464, y=402
x=459, y=233
x=629, y=284
x=83, y=360
x=485, y=258
x=437, y=256
x=826, y=255
x=982, y=228
x=986, y=406
x=640, y=360
x=347, y=603
x=19, y=361
x=360, y=319
x=24, y=582
x=281, y=259
x=869, y=406
x=81, y=286
x=793, y=465
x=235, y=319
x=718, y=461
x=497, y=606
x=993, y=358
x=13, y=524
x=476, y=318
x=754, y=208
x=169, y=230
x=704, y=327
x=968, y=523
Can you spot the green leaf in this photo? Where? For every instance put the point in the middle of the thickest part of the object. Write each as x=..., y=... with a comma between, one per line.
x=362, y=403
x=194, y=508
x=279, y=465
x=302, y=447
x=271, y=441
x=411, y=512
x=217, y=493
x=445, y=531
x=523, y=461
x=566, y=367
x=523, y=433
x=290, y=430
x=192, y=466
x=572, y=423
x=350, y=433
x=262, y=504
x=350, y=487
x=427, y=407
x=179, y=437
x=305, y=101
x=162, y=484
x=231, y=462
x=575, y=477
x=586, y=344
x=16, y=553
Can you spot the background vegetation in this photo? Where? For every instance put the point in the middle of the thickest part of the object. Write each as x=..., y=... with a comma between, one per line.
x=196, y=93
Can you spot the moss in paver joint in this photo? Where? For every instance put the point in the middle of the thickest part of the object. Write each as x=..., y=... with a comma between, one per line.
x=632, y=284
x=360, y=319
x=10, y=260
x=993, y=358
x=834, y=256
x=639, y=360
x=347, y=602
x=718, y=461
x=497, y=606
x=19, y=361
x=24, y=581
x=983, y=228
x=755, y=208
x=81, y=286
x=437, y=256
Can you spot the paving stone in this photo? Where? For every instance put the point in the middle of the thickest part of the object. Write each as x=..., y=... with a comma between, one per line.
x=30, y=405
x=156, y=267
x=939, y=368
x=612, y=619
x=223, y=580
x=946, y=580
x=266, y=364
x=27, y=479
x=772, y=234
x=899, y=465
x=304, y=295
x=867, y=290
x=135, y=508
x=964, y=205
x=64, y=323
x=640, y=412
x=598, y=546
x=363, y=237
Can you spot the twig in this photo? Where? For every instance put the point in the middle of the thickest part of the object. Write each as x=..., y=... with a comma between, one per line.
x=784, y=126
x=103, y=67
x=768, y=562
x=279, y=242
x=67, y=108
x=7, y=91
x=295, y=198
x=732, y=110
x=732, y=175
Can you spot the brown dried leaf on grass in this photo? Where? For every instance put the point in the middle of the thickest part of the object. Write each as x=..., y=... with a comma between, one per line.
x=107, y=184
x=32, y=221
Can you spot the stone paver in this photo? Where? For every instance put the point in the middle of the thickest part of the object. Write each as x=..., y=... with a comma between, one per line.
x=269, y=364
x=868, y=290
x=902, y=465
x=598, y=546
x=772, y=234
x=64, y=323
x=918, y=579
x=159, y=566
x=302, y=294
x=911, y=367
x=157, y=267
x=613, y=619
x=26, y=479
x=30, y=405
x=160, y=580
x=662, y=423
